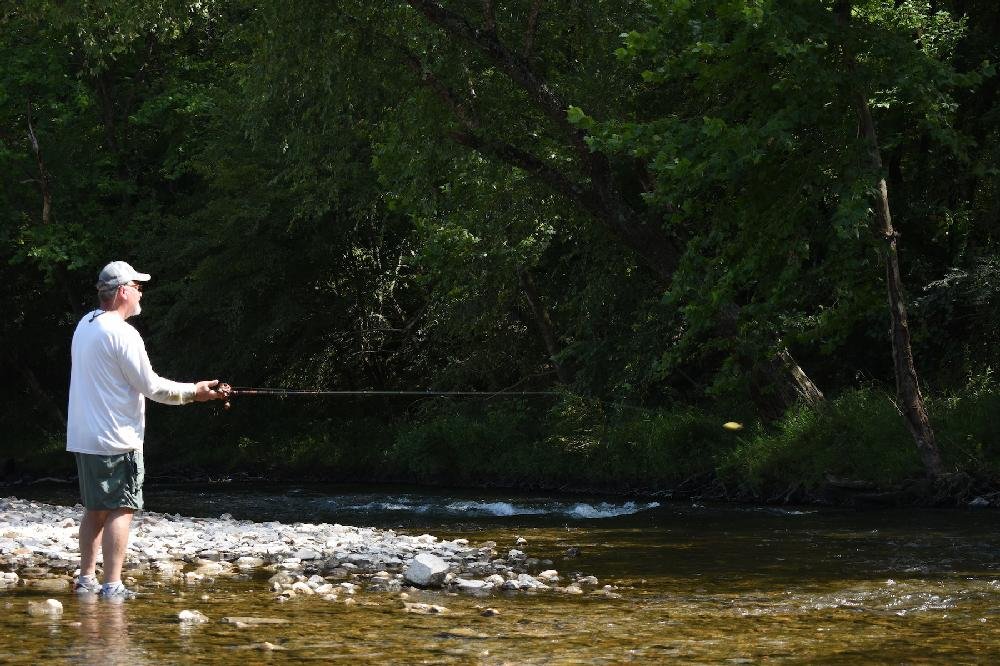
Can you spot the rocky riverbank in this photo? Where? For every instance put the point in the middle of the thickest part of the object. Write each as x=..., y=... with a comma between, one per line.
x=38, y=548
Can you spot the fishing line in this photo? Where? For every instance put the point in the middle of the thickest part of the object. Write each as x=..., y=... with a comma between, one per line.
x=235, y=391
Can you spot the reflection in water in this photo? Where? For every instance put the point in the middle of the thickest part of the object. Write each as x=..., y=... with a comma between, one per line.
x=104, y=632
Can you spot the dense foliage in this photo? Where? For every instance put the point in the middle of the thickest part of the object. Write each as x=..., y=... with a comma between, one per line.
x=639, y=203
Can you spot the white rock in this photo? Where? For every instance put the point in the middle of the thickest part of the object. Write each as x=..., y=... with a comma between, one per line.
x=516, y=554
x=51, y=607
x=426, y=570
x=281, y=578
x=471, y=585
x=424, y=609
x=527, y=582
x=211, y=568
x=549, y=575
x=192, y=616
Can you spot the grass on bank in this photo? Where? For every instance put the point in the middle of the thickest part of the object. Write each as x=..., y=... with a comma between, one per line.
x=578, y=443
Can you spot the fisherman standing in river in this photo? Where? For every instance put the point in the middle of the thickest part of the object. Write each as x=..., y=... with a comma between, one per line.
x=111, y=378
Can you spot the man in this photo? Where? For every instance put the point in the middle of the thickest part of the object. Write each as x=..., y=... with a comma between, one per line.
x=111, y=378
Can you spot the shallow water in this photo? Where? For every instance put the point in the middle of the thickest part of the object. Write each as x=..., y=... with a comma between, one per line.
x=697, y=583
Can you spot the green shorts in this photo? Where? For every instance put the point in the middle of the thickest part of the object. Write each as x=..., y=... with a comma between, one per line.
x=111, y=482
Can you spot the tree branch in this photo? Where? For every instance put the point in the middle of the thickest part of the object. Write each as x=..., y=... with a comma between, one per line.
x=532, y=28
x=522, y=159
x=514, y=66
x=43, y=175
x=445, y=94
x=489, y=16
x=601, y=198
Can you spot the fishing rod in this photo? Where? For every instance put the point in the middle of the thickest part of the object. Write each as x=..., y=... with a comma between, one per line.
x=232, y=391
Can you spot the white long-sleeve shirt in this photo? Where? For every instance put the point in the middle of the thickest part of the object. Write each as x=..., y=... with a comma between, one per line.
x=110, y=376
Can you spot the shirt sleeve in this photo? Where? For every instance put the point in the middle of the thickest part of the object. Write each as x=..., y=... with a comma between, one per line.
x=139, y=373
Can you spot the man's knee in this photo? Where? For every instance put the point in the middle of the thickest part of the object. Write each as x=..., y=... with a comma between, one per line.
x=96, y=516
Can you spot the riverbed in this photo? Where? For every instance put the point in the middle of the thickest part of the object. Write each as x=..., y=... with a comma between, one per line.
x=673, y=581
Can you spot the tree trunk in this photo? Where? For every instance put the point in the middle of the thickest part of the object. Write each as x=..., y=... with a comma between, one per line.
x=545, y=326
x=778, y=382
x=911, y=403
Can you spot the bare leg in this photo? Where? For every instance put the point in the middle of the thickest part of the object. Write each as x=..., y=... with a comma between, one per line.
x=114, y=542
x=91, y=529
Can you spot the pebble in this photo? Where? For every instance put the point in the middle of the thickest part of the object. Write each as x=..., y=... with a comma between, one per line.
x=192, y=616
x=461, y=632
x=423, y=609
x=243, y=622
x=48, y=584
x=50, y=607
x=472, y=585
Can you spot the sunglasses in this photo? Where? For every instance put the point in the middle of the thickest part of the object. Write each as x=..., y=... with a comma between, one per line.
x=137, y=287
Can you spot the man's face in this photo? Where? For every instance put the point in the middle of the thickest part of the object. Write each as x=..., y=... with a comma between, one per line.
x=132, y=294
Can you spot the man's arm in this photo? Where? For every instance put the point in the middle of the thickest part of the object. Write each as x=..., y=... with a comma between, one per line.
x=139, y=372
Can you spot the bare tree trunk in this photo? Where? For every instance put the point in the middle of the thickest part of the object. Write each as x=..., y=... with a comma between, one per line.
x=776, y=382
x=911, y=403
x=545, y=326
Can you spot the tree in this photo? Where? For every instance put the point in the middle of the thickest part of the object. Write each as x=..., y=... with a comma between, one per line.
x=764, y=132
x=511, y=105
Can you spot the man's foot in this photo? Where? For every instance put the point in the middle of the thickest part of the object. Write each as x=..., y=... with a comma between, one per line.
x=86, y=585
x=116, y=591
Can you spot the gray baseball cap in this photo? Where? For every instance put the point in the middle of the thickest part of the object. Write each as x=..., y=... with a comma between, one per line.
x=118, y=273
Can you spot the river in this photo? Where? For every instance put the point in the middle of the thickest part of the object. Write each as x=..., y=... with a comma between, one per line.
x=690, y=582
